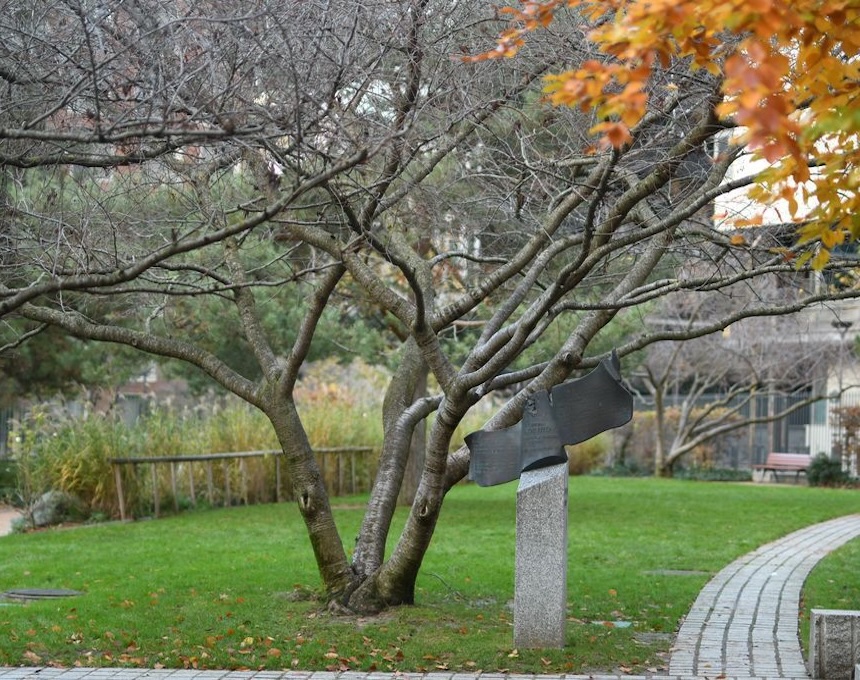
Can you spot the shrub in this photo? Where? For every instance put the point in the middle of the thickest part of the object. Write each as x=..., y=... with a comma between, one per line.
x=845, y=420
x=706, y=474
x=824, y=471
x=54, y=451
x=628, y=468
x=588, y=456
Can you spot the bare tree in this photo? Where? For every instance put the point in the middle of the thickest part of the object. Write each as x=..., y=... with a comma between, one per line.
x=711, y=384
x=108, y=105
x=220, y=153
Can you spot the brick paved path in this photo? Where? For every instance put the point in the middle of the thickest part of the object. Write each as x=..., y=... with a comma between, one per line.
x=743, y=625
x=7, y=516
x=744, y=622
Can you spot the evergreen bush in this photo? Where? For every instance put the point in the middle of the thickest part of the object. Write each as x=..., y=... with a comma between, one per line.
x=824, y=471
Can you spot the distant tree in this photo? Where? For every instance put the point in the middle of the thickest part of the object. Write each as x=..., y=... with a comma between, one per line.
x=343, y=330
x=714, y=380
x=710, y=384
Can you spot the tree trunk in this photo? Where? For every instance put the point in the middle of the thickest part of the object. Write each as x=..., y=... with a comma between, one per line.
x=668, y=470
x=397, y=437
x=417, y=447
x=393, y=582
x=312, y=498
x=661, y=469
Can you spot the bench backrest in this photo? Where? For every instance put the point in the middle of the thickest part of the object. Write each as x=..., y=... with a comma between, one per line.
x=800, y=460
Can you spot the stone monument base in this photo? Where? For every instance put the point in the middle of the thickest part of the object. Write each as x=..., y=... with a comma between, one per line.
x=540, y=590
x=834, y=643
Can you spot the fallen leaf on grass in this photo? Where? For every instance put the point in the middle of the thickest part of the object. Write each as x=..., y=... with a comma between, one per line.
x=32, y=657
x=133, y=660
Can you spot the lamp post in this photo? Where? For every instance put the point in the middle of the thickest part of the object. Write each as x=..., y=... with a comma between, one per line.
x=842, y=327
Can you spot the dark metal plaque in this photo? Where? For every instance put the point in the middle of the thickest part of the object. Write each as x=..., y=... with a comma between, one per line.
x=571, y=413
x=494, y=456
x=593, y=404
x=540, y=444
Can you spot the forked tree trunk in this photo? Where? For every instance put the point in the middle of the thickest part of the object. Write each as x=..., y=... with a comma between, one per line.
x=397, y=438
x=392, y=582
x=368, y=585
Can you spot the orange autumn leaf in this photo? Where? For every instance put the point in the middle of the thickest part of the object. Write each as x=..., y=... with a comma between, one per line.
x=615, y=134
x=788, y=72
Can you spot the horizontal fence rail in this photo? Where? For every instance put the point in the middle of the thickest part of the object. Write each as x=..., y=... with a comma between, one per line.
x=345, y=469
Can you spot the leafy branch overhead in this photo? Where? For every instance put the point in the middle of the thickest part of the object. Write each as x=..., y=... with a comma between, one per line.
x=790, y=84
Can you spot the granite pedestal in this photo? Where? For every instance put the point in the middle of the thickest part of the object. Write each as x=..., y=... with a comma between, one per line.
x=834, y=643
x=540, y=589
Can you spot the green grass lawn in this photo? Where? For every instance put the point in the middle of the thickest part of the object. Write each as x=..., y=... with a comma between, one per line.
x=228, y=588
x=833, y=584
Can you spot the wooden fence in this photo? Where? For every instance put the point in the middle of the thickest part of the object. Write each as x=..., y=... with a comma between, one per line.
x=341, y=469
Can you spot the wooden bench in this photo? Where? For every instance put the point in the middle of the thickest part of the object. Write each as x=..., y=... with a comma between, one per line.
x=785, y=462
